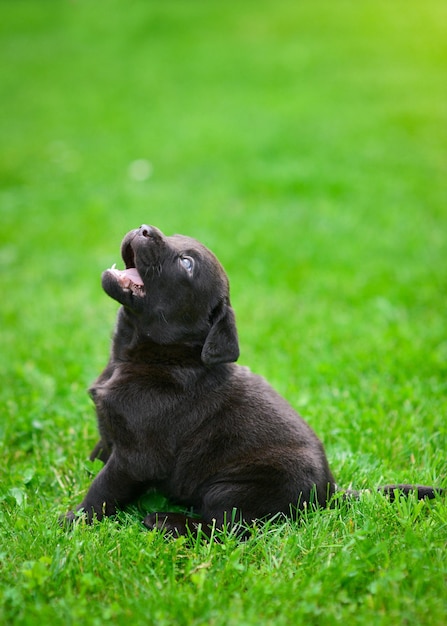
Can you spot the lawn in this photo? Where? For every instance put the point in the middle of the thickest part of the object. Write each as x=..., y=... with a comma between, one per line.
x=304, y=142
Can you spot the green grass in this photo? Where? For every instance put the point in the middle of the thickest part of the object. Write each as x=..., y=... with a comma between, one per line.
x=304, y=143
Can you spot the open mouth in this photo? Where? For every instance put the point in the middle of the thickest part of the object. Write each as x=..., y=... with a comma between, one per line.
x=130, y=277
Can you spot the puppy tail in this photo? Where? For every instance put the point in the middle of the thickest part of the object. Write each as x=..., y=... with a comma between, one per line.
x=394, y=491
x=422, y=491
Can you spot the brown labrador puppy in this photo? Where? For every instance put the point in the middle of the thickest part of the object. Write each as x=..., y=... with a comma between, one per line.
x=175, y=413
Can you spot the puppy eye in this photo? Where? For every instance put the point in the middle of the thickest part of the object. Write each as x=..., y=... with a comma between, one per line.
x=187, y=262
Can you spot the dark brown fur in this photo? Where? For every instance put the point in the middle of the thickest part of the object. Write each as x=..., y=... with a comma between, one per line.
x=177, y=414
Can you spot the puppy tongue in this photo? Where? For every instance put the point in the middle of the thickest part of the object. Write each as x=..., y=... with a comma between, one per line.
x=129, y=275
x=134, y=276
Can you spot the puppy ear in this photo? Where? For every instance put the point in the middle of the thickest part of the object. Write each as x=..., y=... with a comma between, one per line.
x=221, y=344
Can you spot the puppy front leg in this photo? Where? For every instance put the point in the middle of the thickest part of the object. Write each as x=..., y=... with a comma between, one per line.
x=111, y=488
x=101, y=451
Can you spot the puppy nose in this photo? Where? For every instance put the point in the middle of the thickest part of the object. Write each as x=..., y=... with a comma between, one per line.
x=150, y=232
x=146, y=231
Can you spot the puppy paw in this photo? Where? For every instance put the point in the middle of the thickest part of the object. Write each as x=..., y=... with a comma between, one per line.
x=69, y=519
x=174, y=524
x=73, y=517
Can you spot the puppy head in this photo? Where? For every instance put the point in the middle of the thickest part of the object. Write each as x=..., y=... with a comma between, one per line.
x=176, y=291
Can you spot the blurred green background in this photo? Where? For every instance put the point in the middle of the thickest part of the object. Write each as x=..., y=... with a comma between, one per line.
x=304, y=142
